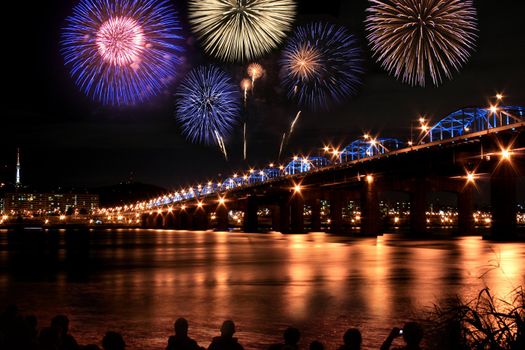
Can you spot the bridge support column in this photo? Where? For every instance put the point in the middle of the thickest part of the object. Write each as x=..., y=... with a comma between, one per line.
x=284, y=214
x=276, y=218
x=370, y=214
x=466, y=209
x=250, y=215
x=503, y=202
x=316, y=215
x=297, y=214
x=336, y=212
x=418, y=208
x=221, y=215
x=200, y=219
x=186, y=219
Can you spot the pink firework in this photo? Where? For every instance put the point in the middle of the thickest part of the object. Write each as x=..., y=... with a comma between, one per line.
x=120, y=41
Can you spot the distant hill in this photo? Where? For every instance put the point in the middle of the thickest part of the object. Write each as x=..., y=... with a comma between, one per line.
x=126, y=193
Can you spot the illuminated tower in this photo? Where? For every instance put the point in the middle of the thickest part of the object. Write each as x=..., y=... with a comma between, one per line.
x=18, y=183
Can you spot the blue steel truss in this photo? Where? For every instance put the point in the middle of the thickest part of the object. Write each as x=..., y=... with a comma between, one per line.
x=461, y=122
x=303, y=164
x=469, y=120
x=361, y=148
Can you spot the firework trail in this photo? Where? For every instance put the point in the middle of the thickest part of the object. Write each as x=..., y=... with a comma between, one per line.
x=207, y=105
x=246, y=85
x=321, y=65
x=122, y=52
x=414, y=39
x=293, y=123
x=281, y=147
x=240, y=30
x=222, y=146
x=245, y=143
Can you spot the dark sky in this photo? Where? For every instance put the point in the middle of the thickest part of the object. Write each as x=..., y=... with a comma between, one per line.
x=68, y=140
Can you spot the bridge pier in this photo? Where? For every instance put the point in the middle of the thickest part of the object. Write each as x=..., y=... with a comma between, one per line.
x=200, y=219
x=466, y=209
x=370, y=214
x=221, y=215
x=186, y=220
x=284, y=214
x=297, y=214
x=251, y=221
x=503, y=202
x=276, y=217
x=418, y=208
x=315, y=219
x=336, y=212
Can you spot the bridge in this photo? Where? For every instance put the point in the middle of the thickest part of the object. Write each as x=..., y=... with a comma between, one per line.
x=455, y=154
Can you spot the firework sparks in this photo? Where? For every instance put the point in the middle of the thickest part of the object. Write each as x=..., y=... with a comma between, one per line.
x=240, y=30
x=121, y=52
x=255, y=71
x=321, y=65
x=208, y=105
x=413, y=39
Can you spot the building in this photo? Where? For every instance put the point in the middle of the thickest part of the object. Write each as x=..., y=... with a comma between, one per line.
x=48, y=203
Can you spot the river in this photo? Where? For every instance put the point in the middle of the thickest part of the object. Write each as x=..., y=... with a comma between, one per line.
x=139, y=281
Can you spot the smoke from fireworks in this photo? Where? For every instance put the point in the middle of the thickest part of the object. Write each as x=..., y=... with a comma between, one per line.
x=416, y=38
x=321, y=65
x=207, y=105
x=121, y=52
x=239, y=30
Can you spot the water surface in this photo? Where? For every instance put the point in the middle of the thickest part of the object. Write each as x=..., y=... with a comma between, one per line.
x=139, y=281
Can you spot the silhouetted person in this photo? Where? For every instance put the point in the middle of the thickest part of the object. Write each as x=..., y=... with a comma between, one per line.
x=13, y=329
x=226, y=341
x=113, y=341
x=66, y=341
x=48, y=339
x=291, y=337
x=316, y=345
x=351, y=340
x=90, y=347
x=181, y=341
x=412, y=334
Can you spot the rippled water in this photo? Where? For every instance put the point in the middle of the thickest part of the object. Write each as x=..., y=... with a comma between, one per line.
x=139, y=281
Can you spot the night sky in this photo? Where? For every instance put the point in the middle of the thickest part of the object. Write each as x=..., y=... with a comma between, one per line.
x=66, y=139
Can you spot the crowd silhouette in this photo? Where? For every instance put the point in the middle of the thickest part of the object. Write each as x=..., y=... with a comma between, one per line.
x=21, y=333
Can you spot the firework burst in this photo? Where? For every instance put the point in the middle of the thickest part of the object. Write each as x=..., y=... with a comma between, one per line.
x=208, y=105
x=321, y=65
x=255, y=71
x=414, y=39
x=240, y=30
x=122, y=52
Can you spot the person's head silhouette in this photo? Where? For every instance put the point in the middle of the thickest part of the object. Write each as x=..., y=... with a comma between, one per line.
x=316, y=345
x=61, y=324
x=113, y=341
x=291, y=336
x=228, y=328
x=352, y=338
x=412, y=333
x=181, y=326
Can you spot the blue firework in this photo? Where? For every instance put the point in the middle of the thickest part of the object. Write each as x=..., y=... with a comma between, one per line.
x=208, y=105
x=122, y=52
x=321, y=65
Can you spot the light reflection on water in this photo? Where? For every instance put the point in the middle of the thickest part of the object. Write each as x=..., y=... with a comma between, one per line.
x=138, y=282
